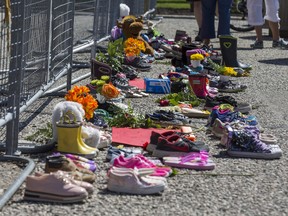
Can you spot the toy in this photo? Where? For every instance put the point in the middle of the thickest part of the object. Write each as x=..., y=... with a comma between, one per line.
x=131, y=28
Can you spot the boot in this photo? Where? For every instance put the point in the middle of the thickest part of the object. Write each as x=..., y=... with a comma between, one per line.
x=99, y=69
x=70, y=141
x=184, y=49
x=228, y=45
x=199, y=85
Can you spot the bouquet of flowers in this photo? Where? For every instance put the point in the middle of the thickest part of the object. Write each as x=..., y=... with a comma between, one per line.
x=227, y=71
x=105, y=88
x=133, y=47
x=81, y=95
x=197, y=56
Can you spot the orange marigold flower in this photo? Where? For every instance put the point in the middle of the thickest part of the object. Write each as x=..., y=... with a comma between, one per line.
x=109, y=91
x=80, y=94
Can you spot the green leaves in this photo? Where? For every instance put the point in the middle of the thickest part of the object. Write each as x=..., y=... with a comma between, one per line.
x=42, y=135
x=128, y=118
x=114, y=56
x=181, y=97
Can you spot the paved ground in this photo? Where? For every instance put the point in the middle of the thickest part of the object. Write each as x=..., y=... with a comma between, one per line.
x=236, y=186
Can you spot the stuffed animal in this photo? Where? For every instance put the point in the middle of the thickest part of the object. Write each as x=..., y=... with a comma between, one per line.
x=131, y=27
x=89, y=133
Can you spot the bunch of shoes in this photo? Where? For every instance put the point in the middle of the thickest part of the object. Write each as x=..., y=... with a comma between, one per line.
x=180, y=149
x=241, y=135
x=67, y=179
x=166, y=117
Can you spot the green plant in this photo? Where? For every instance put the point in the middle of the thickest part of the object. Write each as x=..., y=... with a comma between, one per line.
x=180, y=4
x=42, y=135
x=186, y=96
x=114, y=56
x=128, y=118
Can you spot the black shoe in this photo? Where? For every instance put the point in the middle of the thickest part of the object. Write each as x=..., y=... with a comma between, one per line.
x=198, y=38
x=138, y=63
x=130, y=72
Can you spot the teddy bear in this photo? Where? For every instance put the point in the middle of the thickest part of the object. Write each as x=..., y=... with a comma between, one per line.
x=131, y=28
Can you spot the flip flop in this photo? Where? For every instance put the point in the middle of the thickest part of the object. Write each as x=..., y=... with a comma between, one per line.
x=195, y=160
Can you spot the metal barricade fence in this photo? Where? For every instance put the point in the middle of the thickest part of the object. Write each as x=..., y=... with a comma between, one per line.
x=37, y=46
x=36, y=49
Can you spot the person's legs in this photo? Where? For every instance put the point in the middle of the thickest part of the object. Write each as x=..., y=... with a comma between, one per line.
x=258, y=30
x=224, y=17
x=198, y=17
x=198, y=13
x=208, y=18
x=255, y=18
x=272, y=8
x=272, y=16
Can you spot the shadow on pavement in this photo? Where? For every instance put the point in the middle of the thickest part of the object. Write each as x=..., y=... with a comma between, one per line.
x=278, y=61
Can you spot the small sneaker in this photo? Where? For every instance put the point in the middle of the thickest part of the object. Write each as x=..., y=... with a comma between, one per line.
x=131, y=183
x=242, y=107
x=154, y=139
x=281, y=43
x=177, y=146
x=230, y=87
x=53, y=188
x=257, y=45
x=244, y=144
x=114, y=152
x=138, y=63
x=140, y=162
x=228, y=115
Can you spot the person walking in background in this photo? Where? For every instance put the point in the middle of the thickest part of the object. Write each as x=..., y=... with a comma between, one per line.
x=197, y=9
x=255, y=18
x=208, y=19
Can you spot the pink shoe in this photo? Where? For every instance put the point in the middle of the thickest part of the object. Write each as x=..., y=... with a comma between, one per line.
x=53, y=188
x=137, y=162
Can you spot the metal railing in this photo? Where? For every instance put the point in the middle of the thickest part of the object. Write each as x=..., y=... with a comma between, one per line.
x=37, y=44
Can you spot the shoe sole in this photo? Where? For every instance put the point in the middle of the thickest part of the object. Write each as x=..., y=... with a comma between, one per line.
x=88, y=156
x=190, y=165
x=133, y=190
x=274, y=155
x=151, y=147
x=231, y=90
x=161, y=153
x=43, y=197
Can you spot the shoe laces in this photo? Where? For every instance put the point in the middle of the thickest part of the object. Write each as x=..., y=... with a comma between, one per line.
x=246, y=141
x=65, y=177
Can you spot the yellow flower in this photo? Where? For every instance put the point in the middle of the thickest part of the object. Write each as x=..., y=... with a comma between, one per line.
x=133, y=46
x=197, y=56
x=229, y=71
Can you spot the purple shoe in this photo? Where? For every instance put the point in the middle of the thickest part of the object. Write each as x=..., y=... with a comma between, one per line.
x=245, y=144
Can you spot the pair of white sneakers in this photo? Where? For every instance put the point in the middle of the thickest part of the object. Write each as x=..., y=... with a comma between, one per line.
x=135, y=181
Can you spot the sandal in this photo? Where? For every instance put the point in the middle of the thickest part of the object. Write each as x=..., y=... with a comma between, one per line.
x=132, y=94
x=194, y=160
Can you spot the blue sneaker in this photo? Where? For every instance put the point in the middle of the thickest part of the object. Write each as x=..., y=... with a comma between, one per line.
x=114, y=152
x=229, y=115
